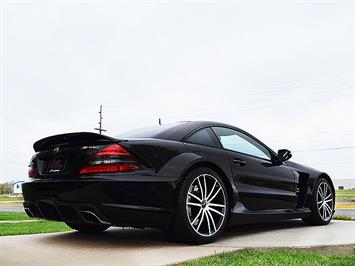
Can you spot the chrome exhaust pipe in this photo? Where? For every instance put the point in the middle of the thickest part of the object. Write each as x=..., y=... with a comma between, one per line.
x=91, y=217
x=28, y=212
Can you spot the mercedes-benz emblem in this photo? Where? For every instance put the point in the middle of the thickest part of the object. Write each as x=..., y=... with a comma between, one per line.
x=56, y=149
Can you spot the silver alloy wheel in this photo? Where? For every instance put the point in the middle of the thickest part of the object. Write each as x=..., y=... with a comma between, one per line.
x=325, y=201
x=206, y=205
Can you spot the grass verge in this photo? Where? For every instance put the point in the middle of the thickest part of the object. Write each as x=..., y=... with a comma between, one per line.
x=24, y=228
x=347, y=195
x=251, y=257
x=10, y=198
x=14, y=216
x=342, y=217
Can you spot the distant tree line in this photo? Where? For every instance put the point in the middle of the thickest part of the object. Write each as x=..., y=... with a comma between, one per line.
x=6, y=188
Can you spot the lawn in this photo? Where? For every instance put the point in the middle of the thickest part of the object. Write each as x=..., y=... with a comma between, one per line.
x=17, y=225
x=250, y=257
x=347, y=195
x=14, y=216
x=10, y=198
x=24, y=228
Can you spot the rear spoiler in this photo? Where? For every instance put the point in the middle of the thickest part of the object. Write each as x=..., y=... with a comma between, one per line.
x=86, y=138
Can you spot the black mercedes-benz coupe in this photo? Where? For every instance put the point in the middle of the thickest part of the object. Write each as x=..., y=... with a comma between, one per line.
x=191, y=179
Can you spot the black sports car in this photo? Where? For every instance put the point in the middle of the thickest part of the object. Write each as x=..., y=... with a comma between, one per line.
x=189, y=178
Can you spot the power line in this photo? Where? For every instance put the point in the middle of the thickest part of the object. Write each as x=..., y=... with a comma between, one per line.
x=328, y=149
x=335, y=163
x=288, y=88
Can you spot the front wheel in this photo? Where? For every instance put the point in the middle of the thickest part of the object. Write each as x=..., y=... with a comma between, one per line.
x=88, y=228
x=202, y=207
x=322, y=204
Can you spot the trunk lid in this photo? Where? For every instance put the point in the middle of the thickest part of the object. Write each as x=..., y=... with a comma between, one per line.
x=64, y=155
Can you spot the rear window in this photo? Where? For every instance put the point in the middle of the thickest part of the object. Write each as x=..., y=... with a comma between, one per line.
x=147, y=132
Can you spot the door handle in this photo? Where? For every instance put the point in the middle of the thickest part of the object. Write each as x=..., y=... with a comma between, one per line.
x=239, y=161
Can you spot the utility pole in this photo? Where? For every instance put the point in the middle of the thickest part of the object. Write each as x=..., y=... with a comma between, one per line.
x=159, y=121
x=100, y=122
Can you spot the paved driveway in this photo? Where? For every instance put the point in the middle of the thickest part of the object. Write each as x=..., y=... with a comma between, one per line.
x=151, y=247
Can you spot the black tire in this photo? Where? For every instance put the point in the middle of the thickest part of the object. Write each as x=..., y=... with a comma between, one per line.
x=88, y=228
x=182, y=228
x=316, y=218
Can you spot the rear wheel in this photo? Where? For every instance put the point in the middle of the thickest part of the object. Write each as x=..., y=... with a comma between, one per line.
x=202, y=208
x=88, y=228
x=322, y=204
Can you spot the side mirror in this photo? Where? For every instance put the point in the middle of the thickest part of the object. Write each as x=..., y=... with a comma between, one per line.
x=284, y=155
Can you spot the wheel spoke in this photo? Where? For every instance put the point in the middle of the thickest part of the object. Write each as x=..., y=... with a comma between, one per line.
x=199, y=183
x=213, y=223
x=198, y=214
x=194, y=196
x=194, y=204
x=215, y=211
x=329, y=195
x=208, y=222
x=216, y=205
x=215, y=194
x=319, y=202
x=325, y=190
x=328, y=210
x=214, y=185
x=199, y=224
x=328, y=207
x=320, y=192
x=204, y=183
x=328, y=200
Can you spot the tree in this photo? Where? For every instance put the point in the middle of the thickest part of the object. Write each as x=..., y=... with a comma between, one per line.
x=1, y=188
x=8, y=188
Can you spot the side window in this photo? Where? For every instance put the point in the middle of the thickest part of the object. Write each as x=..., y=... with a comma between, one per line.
x=239, y=142
x=202, y=137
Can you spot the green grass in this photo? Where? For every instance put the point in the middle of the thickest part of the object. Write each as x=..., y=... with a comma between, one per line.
x=24, y=228
x=10, y=198
x=251, y=257
x=342, y=217
x=14, y=216
x=345, y=195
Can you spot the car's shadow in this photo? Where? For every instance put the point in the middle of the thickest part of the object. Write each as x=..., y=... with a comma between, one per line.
x=131, y=238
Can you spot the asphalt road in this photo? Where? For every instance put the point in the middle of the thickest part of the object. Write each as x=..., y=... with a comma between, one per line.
x=151, y=247
x=11, y=209
x=349, y=212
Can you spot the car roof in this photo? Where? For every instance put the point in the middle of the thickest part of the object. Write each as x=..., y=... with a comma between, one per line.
x=177, y=131
x=180, y=130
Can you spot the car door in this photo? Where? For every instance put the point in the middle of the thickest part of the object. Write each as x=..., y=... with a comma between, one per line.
x=261, y=182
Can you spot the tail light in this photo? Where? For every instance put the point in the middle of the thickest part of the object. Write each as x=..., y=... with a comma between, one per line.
x=111, y=159
x=32, y=171
x=32, y=168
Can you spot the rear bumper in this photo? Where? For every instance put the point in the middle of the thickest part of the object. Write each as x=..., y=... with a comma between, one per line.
x=138, y=201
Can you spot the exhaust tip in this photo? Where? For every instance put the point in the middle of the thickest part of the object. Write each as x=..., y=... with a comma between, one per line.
x=28, y=212
x=91, y=217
